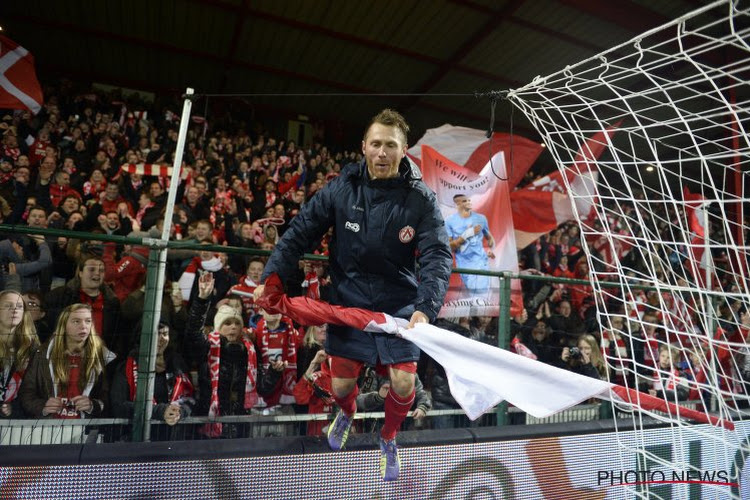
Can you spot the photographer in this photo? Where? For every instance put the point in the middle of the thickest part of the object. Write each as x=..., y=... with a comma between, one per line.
x=584, y=359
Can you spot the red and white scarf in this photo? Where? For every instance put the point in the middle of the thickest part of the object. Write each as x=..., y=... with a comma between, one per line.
x=11, y=383
x=181, y=390
x=214, y=363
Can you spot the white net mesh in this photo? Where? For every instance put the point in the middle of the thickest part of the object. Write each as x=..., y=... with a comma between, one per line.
x=668, y=214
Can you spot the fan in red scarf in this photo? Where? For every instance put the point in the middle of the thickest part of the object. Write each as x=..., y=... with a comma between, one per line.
x=247, y=285
x=667, y=381
x=226, y=349
x=278, y=339
x=173, y=390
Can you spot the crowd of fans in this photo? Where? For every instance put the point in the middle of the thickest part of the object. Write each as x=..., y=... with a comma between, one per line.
x=89, y=162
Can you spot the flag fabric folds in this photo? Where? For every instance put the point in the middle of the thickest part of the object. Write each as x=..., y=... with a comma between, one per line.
x=19, y=86
x=480, y=376
x=471, y=149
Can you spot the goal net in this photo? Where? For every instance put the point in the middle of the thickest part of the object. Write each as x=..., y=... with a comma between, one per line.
x=666, y=238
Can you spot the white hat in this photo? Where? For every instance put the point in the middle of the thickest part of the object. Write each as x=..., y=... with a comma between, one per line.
x=225, y=313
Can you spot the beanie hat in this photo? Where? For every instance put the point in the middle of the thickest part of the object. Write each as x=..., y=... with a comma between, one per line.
x=225, y=313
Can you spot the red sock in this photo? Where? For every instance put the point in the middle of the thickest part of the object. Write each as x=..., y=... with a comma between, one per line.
x=349, y=402
x=396, y=409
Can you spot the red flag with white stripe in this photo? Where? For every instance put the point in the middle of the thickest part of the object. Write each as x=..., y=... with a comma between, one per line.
x=154, y=169
x=480, y=376
x=546, y=203
x=471, y=149
x=19, y=86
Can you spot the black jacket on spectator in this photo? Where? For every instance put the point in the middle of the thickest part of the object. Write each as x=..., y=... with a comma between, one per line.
x=232, y=369
x=61, y=297
x=566, y=331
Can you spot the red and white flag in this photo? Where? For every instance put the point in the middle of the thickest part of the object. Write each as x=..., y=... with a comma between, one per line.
x=695, y=210
x=480, y=376
x=471, y=149
x=546, y=203
x=153, y=169
x=19, y=87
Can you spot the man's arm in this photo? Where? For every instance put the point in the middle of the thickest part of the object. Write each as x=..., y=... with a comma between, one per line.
x=435, y=260
x=310, y=224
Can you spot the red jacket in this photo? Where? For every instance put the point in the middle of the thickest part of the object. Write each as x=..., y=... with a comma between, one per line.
x=127, y=275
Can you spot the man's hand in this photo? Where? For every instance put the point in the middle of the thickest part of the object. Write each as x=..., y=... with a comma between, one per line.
x=258, y=292
x=417, y=317
x=172, y=414
x=418, y=414
x=205, y=285
x=279, y=365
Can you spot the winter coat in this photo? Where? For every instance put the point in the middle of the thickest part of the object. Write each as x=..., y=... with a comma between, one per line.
x=382, y=231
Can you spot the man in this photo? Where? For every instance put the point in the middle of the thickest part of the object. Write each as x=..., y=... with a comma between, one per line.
x=383, y=216
x=248, y=283
x=467, y=231
x=88, y=287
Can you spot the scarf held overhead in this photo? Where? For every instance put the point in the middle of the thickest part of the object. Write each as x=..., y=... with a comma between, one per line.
x=479, y=375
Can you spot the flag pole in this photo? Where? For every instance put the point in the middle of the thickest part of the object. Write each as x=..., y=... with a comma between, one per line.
x=157, y=261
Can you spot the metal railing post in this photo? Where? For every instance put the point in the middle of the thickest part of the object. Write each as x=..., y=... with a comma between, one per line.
x=503, y=335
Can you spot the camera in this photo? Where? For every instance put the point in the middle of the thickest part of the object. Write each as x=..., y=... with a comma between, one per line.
x=575, y=353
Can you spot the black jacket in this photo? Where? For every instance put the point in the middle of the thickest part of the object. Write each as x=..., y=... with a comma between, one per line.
x=389, y=253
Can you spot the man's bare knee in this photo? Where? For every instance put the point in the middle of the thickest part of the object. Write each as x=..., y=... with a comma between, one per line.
x=342, y=387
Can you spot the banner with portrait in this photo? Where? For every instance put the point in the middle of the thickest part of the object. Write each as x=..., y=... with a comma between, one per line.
x=478, y=217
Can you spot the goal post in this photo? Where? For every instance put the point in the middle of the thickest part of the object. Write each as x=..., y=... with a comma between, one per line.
x=667, y=213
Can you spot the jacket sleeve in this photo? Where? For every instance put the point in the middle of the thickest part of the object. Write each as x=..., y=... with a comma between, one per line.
x=197, y=343
x=422, y=399
x=370, y=401
x=305, y=229
x=435, y=259
x=119, y=395
x=43, y=262
x=34, y=393
x=100, y=396
x=268, y=380
x=302, y=391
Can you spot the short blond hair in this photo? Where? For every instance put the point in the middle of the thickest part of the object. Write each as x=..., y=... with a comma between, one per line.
x=390, y=118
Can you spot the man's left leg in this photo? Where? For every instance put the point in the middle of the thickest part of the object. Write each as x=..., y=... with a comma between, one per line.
x=397, y=405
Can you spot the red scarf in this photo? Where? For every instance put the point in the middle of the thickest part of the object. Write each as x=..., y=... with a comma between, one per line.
x=97, y=310
x=214, y=362
x=181, y=389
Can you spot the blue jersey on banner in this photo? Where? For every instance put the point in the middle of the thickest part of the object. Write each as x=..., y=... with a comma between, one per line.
x=471, y=254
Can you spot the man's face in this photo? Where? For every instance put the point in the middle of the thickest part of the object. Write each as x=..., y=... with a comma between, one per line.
x=278, y=211
x=23, y=161
x=463, y=203
x=113, y=221
x=37, y=218
x=70, y=205
x=193, y=194
x=255, y=271
x=63, y=178
x=202, y=231
x=22, y=175
x=384, y=147
x=111, y=192
x=156, y=190
x=92, y=274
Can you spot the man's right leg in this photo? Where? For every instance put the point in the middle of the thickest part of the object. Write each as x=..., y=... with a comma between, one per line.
x=344, y=373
